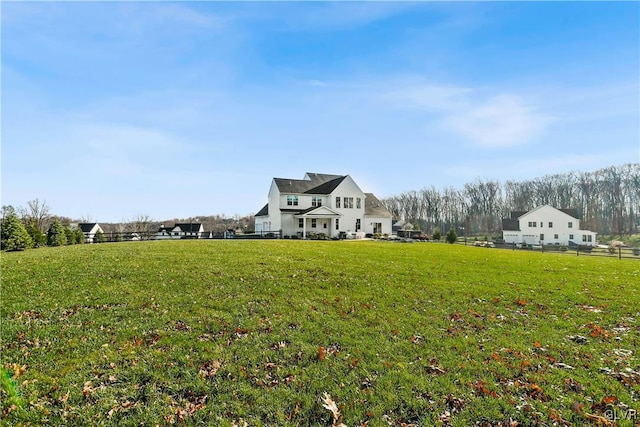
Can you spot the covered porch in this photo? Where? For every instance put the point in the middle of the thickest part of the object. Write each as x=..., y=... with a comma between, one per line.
x=318, y=220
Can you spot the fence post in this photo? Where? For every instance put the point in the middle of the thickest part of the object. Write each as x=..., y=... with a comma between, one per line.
x=619, y=252
x=578, y=250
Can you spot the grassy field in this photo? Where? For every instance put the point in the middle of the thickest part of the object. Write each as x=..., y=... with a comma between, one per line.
x=317, y=333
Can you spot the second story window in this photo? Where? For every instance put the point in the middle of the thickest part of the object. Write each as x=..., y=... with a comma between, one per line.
x=348, y=202
x=337, y=201
x=358, y=203
x=316, y=201
x=570, y=224
x=292, y=200
x=550, y=224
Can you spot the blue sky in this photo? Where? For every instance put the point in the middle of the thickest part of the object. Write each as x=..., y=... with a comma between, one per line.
x=178, y=109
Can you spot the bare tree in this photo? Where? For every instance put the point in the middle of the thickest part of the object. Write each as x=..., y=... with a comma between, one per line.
x=40, y=213
x=142, y=225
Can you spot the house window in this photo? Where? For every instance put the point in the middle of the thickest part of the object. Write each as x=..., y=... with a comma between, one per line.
x=358, y=203
x=348, y=202
x=324, y=225
x=292, y=200
x=586, y=238
x=541, y=237
x=316, y=201
x=377, y=227
x=555, y=236
x=550, y=225
x=300, y=222
x=570, y=235
x=314, y=222
x=570, y=224
x=337, y=223
x=532, y=223
x=358, y=224
x=337, y=201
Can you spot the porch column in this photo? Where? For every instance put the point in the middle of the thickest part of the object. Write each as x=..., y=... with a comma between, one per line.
x=304, y=228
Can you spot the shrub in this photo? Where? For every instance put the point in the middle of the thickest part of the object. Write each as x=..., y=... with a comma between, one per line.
x=437, y=235
x=451, y=236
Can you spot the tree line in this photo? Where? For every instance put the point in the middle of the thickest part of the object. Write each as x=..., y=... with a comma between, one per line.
x=607, y=200
x=34, y=226
x=30, y=232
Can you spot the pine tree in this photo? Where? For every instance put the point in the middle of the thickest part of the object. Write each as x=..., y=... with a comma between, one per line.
x=451, y=236
x=71, y=236
x=78, y=235
x=99, y=237
x=14, y=236
x=436, y=234
x=38, y=237
x=56, y=235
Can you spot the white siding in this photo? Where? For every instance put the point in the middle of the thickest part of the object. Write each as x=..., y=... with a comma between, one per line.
x=550, y=226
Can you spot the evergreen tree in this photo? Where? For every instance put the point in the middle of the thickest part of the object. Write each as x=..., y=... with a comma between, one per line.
x=451, y=236
x=38, y=237
x=56, y=235
x=436, y=234
x=14, y=236
x=78, y=235
x=70, y=235
x=99, y=237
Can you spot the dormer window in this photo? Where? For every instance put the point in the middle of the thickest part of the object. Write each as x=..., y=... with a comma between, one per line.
x=316, y=201
x=292, y=200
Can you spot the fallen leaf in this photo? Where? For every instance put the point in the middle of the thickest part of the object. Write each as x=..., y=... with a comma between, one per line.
x=322, y=353
x=601, y=421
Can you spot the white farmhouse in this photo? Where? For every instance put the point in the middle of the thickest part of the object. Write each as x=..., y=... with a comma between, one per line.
x=90, y=230
x=193, y=230
x=546, y=225
x=321, y=203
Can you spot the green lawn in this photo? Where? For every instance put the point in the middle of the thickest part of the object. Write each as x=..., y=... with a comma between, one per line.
x=228, y=332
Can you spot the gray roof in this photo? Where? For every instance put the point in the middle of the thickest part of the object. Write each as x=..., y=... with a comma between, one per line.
x=571, y=212
x=374, y=207
x=264, y=211
x=510, y=224
x=189, y=227
x=86, y=227
x=317, y=184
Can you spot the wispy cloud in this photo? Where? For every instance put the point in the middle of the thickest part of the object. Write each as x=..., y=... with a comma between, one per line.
x=480, y=116
x=501, y=121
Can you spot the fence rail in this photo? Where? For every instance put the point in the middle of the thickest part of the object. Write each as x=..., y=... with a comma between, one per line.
x=619, y=252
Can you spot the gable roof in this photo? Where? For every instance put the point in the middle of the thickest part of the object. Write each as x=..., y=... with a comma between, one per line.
x=188, y=227
x=374, y=207
x=571, y=212
x=313, y=183
x=327, y=187
x=318, y=211
x=87, y=227
x=264, y=211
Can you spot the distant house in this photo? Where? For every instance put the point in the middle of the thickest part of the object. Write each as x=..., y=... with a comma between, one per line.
x=187, y=230
x=89, y=229
x=321, y=203
x=546, y=225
